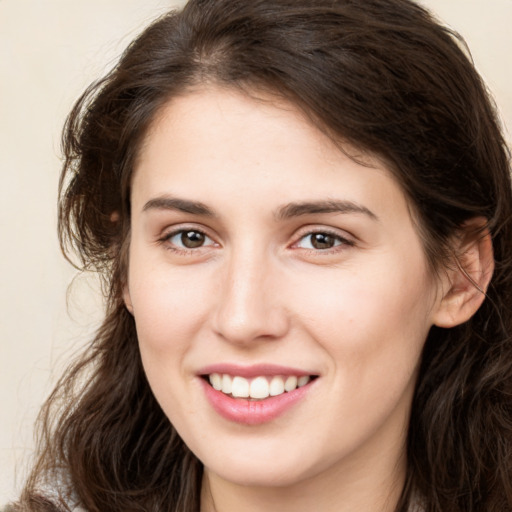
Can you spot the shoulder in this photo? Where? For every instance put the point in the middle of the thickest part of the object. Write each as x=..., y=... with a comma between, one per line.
x=49, y=500
x=15, y=508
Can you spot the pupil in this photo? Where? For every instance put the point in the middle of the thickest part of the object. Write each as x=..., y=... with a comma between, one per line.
x=192, y=239
x=322, y=241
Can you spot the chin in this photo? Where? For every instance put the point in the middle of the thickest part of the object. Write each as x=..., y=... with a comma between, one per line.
x=261, y=476
x=269, y=470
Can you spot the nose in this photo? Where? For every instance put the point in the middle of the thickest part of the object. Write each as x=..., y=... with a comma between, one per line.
x=250, y=305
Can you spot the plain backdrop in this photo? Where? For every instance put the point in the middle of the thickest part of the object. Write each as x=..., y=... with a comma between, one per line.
x=49, y=52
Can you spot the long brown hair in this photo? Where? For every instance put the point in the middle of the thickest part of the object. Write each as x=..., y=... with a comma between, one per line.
x=385, y=77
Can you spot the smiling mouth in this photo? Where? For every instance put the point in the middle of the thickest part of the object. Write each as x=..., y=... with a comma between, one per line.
x=257, y=388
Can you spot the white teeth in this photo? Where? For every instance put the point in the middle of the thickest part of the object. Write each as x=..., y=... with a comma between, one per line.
x=226, y=384
x=290, y=383
x=276, y=386
x=258, y=388
x=216, y=381
x=240, y=387
x=302, y=381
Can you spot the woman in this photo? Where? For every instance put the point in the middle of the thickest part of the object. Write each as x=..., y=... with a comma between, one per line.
x=302, y=214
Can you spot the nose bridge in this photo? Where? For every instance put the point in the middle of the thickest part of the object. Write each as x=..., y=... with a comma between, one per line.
x=249, y=305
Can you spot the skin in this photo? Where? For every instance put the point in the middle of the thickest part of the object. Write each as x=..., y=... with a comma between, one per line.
x=257, y=291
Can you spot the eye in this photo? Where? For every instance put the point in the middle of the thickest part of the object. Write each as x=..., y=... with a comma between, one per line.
x=321, y=241
x=189, y=239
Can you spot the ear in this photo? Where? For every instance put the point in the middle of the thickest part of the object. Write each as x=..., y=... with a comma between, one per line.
x=465, y=283
x=127, y=298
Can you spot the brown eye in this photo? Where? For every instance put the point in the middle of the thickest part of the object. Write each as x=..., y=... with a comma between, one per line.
x=322, y=241
x=188, y=239
x=192, y=239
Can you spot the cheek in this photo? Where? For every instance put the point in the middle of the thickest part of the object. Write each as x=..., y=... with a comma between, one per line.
x=169, y=309
x=169, y=312
x=170, y=306
x=372, y=325
x=372, y=305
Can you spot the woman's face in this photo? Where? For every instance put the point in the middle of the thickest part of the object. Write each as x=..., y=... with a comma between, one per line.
x=264, y=259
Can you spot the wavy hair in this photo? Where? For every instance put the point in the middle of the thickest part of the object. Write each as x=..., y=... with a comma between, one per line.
x=381, y=75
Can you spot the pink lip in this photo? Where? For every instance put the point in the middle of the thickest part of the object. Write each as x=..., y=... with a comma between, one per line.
x=252, y=371
x=253, y=412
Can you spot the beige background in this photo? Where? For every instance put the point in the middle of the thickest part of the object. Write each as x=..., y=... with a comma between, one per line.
x=49, y=51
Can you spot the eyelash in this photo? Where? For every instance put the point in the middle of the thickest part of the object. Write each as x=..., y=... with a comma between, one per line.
x=340, y=241
x=166, y=239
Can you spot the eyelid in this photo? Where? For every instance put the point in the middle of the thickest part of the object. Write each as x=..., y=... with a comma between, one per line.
x=346, y=239
x=170, y=232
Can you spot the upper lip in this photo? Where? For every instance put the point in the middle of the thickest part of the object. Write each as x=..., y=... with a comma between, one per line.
x=251, y=371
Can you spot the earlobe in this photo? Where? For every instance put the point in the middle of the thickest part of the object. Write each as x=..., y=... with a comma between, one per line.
x=466, y=281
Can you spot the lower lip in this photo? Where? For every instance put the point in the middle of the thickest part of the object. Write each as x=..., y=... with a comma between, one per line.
x=253, y=412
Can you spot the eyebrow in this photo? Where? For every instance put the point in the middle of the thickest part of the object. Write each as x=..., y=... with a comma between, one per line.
x=285, y=212
x=181, y=205
x=329, y=206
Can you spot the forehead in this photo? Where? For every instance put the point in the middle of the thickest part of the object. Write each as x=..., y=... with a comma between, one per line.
x=222, y=144
x=224, y=113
